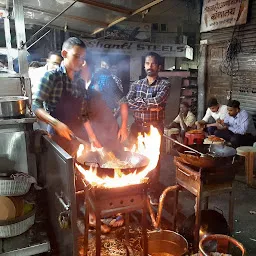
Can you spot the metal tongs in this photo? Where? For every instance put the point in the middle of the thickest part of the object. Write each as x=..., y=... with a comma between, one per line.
x=104, y=155
x=81, y=141
x=74, y=137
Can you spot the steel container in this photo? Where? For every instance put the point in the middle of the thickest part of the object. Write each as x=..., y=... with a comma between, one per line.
x=224, y=245
x=13, y=106
x=166, y=242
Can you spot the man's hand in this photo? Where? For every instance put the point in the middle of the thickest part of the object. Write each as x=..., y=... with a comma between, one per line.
x=220, y=126
x=95, y=143
x=62, y=130
x=199, y=125
x=122, y=134
x=219, y=121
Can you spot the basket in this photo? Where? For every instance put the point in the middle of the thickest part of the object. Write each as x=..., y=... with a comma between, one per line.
x=10, y=187
x=18, y=225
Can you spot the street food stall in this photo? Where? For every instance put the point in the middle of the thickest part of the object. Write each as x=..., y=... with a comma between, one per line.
x=35, y=156
x=61, y=182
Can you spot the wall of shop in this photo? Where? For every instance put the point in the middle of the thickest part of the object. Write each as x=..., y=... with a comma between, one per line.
x=237, y=76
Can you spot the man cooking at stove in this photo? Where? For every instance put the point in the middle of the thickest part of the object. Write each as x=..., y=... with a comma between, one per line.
x=65, y=98
x=238, y=127
x=217, y=112
x=147, y=98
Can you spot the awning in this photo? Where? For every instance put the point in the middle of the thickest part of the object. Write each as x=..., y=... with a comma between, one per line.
x=88, y=17
x=85, y=16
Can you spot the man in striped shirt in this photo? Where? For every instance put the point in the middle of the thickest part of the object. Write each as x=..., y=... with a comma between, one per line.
x=147, y=98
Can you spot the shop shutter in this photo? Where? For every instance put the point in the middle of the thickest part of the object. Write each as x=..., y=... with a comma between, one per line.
x=243, y=82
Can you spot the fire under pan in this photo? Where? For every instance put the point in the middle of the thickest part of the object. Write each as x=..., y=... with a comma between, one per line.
x=110, y=201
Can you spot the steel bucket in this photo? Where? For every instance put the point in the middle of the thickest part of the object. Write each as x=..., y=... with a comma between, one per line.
x=165, y=242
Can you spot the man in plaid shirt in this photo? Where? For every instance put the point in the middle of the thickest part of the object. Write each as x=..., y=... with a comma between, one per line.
x=65, y=98
x=147, y=97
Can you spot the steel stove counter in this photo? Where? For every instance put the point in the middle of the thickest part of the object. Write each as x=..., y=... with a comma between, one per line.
x=13, y=121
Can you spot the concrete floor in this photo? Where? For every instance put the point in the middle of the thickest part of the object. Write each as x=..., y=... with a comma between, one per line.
x=245, y=202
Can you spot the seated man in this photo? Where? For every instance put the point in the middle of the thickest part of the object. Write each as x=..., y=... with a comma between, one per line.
x=217, y=112
x=184, y=121
x=237, y=127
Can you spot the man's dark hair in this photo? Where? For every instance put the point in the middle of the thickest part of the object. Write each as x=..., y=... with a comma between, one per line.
x=71, y=42
x=58, y=53
x=212, y=102
x=233, y=104
x=185, y=104
x=155, y=55
x=35, y=64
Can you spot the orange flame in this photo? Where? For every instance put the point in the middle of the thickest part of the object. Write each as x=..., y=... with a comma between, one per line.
x=148, y=145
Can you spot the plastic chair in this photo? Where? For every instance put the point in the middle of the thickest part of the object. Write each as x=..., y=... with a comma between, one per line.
x=191, y=138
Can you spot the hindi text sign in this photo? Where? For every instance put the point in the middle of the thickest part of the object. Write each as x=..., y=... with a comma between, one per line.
x=218, y=14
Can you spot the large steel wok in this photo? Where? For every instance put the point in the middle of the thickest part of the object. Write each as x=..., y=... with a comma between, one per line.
x=136, y=162
x=207, y=156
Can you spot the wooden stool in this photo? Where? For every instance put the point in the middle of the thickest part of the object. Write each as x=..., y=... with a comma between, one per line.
x=249, y=154
x=191, y=138
x=170, y=133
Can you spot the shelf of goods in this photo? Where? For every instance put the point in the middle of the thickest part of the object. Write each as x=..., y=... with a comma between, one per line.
x=17, y=216
x=189, y=92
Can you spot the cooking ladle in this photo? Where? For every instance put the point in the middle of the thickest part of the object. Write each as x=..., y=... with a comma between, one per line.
x=191, y=149
x=74, y=137
x=185, y=146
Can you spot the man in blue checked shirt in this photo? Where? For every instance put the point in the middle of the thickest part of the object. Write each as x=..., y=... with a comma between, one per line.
x=65, y=98
x=147, y=98
x=238, y=127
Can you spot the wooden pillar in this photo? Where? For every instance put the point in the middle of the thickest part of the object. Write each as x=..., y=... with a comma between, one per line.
x=202, y=69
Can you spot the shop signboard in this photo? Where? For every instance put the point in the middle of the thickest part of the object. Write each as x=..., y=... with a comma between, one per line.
x=140, y=48
x=218, y=14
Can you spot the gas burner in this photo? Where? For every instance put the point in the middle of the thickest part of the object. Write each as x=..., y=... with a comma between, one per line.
x=105, y=202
